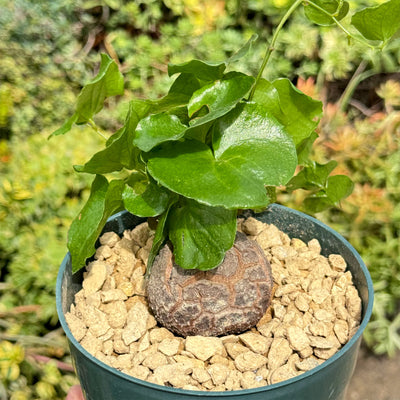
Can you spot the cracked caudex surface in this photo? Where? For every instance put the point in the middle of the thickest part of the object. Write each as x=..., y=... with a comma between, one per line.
x=228, y=299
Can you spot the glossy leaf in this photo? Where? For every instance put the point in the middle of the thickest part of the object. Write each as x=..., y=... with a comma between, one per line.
x=205, y=71
x=190, y=169
x=331, y=7
x=156, y=129
x=297, y=112
x=200, y=234
x=120, y=151
x=219, y=97
x=105, y=199
x=143, y=197
x=257, y=143
x=108, y=82
x=380, y=22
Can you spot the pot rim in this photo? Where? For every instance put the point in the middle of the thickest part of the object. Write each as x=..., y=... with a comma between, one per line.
x=352, y=342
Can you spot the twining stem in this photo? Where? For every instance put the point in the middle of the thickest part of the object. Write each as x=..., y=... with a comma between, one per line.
x=271, y=46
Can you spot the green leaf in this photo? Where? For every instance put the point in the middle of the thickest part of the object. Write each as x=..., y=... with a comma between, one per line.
x=243, y=51
x=339, y=187
x=317, y=203
x=297, y=112
x=380, y=22
x=250, y=138
x=120, y=151
x=331, y=8
x=201, y=235
x=190, y=169
x=304, y=148
x=219, y=97
x=66, y=127
x=108, y=82
x=156, y=129
x=160, y=235
x=105, y=199
x=312, y=176
x=205, y=71
x=144, y=197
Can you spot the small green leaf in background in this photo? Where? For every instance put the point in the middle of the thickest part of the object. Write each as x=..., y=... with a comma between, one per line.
x=190, y=169
x=380, y=22
x=105, y=199
x=330, y=6
x=297, y=112
x=143, y=197
x=120, y=151
x=108, y=82
x=243, y=51
x=201, y=234
x=156, y=129
x=205, y=71
x=339, y=187
x=219, y=97
x=312, y=176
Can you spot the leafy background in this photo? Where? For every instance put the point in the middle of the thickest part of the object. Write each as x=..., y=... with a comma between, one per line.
x=49, y=49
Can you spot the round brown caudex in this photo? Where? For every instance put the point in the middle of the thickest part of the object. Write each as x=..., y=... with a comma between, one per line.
x=228, y=299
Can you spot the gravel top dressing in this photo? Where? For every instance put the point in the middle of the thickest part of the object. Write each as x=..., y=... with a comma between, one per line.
x=315, y=310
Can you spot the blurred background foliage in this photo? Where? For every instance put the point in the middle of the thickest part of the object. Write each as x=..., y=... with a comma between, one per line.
x=49, y=49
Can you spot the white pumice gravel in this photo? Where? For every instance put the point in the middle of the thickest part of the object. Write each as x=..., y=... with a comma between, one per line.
x=315, y=310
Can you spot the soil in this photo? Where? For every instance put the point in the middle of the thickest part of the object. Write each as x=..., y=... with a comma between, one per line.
x=375, y=378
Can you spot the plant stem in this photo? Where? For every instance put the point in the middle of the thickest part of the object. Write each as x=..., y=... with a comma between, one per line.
x=356, y=79
x=271, y=46
x=359, y=39
x=93, y=125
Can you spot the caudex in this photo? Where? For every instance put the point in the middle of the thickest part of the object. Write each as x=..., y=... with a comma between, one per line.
x=219, y=141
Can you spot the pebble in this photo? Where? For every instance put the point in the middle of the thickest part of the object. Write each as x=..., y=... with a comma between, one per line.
x=315, y=309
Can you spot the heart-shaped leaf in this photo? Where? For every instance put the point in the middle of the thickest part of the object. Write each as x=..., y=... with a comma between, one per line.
x=251, y=151
x=250, y=137
x=143, y=197
x=156, y=129
x=201, y=235
x=105, y=199
x=325, y=10
x=219, y=97
x=190, y=169
x=297, y=112
x=380, y=22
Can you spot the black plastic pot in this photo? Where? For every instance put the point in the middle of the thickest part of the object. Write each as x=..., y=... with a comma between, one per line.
x=325, y=382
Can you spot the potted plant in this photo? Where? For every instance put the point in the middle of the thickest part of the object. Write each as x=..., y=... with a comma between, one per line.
x=217, y=143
